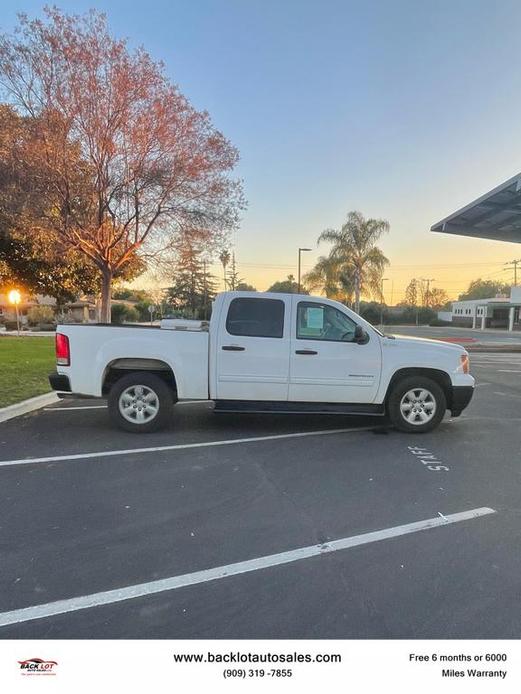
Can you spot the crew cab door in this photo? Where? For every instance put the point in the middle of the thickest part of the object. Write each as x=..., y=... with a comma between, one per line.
x=326, y=364
x=252, y=358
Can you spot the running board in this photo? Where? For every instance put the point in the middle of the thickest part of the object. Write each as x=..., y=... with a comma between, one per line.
x=282, y=407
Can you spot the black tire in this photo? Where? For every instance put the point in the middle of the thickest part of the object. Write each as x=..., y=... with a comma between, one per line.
x=418, y=409
x=162, y=401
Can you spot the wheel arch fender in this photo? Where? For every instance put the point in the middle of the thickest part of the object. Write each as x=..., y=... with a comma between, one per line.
x=122, y=366
x=439, y=376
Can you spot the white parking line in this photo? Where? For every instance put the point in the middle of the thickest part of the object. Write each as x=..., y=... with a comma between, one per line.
x=108, y=597
x=509, y=371
x=179, y=446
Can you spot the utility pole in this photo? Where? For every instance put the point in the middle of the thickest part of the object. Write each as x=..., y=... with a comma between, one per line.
x=384, y=279
x=300, y=250
x=515, y=263
x=426, y=298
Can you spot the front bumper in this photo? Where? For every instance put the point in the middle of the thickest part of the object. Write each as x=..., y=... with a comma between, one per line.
x=60, y=382
x=461, y=396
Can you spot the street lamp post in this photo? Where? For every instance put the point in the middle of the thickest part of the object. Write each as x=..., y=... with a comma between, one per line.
x=384, y=279
x=15, y=298
x=299, y=253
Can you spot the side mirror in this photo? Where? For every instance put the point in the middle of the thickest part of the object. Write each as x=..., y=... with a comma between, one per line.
x=361, y=337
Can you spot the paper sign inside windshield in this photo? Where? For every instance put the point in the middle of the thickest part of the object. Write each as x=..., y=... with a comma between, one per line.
x=315, y=318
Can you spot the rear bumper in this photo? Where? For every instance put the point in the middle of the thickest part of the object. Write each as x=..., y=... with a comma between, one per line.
x=461, y=396
x=60, y=382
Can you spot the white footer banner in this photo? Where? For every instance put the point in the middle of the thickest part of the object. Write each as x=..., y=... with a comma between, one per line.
x=238, y=666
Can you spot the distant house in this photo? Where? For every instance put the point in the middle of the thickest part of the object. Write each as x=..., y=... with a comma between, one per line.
x=503, y=312
x=85, y=309
x=8, y=310
x=81, y=311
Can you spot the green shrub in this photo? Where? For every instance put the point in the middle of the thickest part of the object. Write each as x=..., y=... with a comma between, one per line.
x=123, y=314
x=11, y=325
x=438, y=323
x=40, y=314
x=131, y=315
x=118, y=312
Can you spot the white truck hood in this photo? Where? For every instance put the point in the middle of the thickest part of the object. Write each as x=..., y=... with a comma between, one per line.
x=409, y=341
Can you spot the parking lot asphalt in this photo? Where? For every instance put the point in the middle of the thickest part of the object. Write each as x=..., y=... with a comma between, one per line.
x=453, y=333
x=86, y=509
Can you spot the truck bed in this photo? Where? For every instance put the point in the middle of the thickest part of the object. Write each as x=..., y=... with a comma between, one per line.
x=97, y=348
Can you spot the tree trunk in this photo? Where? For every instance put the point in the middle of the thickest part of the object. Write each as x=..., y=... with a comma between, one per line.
x=106, y=294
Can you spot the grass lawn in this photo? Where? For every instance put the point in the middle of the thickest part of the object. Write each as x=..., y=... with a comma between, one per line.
x=25, y=363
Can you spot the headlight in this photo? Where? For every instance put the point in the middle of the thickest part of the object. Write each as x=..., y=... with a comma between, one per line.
x=465, y=363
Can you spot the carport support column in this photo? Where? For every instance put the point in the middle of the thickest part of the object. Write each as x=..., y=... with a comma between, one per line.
x=511, y=319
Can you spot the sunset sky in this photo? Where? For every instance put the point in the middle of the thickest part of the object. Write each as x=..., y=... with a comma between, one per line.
x=404, y=110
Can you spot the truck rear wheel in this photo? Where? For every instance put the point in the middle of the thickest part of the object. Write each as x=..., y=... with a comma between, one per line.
x=140, y=402
x=416, y=404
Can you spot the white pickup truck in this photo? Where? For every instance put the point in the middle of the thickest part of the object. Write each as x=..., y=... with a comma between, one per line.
x=264, y=352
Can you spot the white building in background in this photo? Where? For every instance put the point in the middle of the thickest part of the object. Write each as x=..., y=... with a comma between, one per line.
x=495, y=215
x=501, y=312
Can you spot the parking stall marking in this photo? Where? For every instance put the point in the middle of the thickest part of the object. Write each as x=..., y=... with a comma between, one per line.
x=51, y=609
x=428, y=458
x=181, y=446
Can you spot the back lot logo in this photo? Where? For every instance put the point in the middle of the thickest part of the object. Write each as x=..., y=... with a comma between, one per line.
x=37, y=666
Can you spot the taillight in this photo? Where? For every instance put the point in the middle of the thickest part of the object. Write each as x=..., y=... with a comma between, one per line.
x=63, y=355
x=465, y=363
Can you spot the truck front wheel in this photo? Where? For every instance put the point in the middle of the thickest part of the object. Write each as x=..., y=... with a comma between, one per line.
x=416, y=404
x=140, y=402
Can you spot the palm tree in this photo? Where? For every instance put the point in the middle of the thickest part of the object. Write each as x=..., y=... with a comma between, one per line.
x=329, y=276
x=355, y=250
x=224, y=257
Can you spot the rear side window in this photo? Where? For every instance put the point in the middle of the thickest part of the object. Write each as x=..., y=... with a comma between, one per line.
x=256, y=317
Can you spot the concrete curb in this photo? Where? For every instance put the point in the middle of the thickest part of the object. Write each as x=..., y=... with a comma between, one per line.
x=26, y=406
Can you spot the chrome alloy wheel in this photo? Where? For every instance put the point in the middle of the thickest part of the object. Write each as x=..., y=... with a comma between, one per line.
x=418, y=406
x=138, y=404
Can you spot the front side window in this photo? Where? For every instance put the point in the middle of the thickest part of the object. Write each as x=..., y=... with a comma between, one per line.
x=256, y=317
x=322, y=322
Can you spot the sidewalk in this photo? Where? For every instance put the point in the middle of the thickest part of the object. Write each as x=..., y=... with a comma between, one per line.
x=28, y=405
x=27, y=333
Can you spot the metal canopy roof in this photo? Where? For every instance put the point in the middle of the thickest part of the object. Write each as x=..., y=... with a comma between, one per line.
x=495, y=215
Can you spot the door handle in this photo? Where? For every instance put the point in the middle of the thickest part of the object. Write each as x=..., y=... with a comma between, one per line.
x=233, y=348
x=305, y=351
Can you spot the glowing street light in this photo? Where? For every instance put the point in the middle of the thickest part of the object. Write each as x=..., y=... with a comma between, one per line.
x=15, y=297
